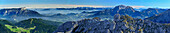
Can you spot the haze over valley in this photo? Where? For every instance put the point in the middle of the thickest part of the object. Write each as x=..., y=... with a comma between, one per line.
x=84, y=16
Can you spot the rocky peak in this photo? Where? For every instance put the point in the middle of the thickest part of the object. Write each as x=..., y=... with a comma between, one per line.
x=120, y=7
x=22, y=8
x=126, y=25
x=18, y=12
x=86, y=26
x=123, y=7
x=128, y=8
x=116, y=17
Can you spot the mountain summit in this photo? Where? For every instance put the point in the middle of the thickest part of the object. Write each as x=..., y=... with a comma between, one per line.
x=121, y=9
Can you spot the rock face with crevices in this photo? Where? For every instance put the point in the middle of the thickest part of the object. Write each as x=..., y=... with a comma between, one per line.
x=120, y=24
x=67, y=27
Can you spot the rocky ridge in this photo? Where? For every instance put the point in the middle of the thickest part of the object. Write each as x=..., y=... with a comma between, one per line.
x=163, y=17
x=15, y=12
x=120, y=24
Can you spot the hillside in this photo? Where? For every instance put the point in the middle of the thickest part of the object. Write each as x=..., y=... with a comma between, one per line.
x=42, y=26
x=3, y=28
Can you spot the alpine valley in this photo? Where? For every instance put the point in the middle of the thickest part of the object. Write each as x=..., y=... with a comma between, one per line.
x=118, y=19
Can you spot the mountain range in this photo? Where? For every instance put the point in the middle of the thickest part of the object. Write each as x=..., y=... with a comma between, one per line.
x=122, y=19
x=104, y=14
x=127, y=10
x=152, y=11
x=15, y=12
x=163, y=17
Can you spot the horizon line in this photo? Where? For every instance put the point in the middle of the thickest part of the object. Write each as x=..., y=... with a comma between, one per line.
x=63, y=6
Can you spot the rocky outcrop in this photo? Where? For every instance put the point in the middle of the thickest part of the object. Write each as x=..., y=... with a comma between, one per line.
x=87, y=26
x=124, y=24
x=116, y=17
x=66, y=27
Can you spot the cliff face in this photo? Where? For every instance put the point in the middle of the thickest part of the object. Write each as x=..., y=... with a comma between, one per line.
x=120, y=24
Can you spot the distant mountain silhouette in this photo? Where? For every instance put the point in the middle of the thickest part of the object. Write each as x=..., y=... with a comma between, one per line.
x=126, y=10
x=152, y=11
x=163, y=17
x=121, y=9
x=14, y=12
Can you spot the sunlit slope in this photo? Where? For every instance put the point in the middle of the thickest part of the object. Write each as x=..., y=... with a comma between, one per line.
x=20, y=29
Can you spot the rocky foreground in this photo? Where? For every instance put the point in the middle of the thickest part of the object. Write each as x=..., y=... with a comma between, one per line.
x=120, y=24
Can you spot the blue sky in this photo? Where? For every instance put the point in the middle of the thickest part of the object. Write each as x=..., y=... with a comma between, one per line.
x=108, y=3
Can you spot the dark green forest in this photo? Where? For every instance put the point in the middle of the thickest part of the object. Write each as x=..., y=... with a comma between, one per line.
x=42, y=26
